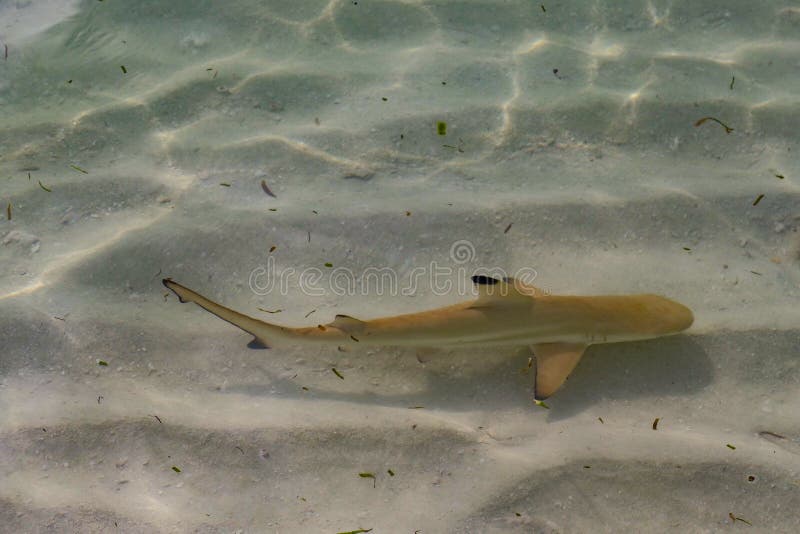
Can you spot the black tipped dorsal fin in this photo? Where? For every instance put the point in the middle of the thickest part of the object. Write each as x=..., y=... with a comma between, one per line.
x=496, y=290
x=554, y=363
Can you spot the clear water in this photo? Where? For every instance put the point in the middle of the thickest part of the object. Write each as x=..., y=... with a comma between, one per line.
x=134, y=139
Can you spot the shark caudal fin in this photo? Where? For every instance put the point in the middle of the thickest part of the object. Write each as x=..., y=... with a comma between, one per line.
x=554, y=363
x=263, y=332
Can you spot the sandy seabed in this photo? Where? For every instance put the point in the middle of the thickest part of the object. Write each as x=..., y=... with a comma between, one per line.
x=134, y=138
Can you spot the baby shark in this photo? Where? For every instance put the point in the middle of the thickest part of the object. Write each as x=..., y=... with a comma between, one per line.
x=506, y=313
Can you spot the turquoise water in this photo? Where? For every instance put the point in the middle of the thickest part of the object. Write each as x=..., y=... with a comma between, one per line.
x=134, y=140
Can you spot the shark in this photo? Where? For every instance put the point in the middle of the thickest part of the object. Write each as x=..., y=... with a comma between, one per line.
x=506, y=313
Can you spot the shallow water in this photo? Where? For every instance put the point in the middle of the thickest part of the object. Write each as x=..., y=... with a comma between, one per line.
x=134, y=141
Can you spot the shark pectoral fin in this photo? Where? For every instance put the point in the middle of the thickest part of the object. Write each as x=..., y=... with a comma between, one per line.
x=554, y=363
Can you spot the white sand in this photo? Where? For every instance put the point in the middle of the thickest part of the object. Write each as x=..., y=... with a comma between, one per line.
x=598, y=168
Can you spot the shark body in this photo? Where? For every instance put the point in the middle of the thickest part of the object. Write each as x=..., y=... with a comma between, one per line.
x=507, y=313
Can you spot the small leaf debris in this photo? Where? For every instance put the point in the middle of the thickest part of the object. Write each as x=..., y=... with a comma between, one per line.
x=270, y=311
x=758, y=199
x=266, y=189
x=75, y=167
x=508, y=227
x=176, y=469
x=124, y=70
x=391, y=473
x=733, y=79
x=337, y=373
x=45, y=187
x=369, y=475
x=541, y=403
x=441, y=128
x=328, y=264
x=699, y=122
x=309, y=313
x=158, y=419
x=735, y=519
x=780, y=176
x=8, y=211
x=272, y=248
x=601, y=420
x=356, y=531
x=224, y=184
x=102, y=362
x=655, y=423
x=731, y=447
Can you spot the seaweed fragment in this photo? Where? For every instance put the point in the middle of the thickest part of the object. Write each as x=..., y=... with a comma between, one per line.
x=601, y=420
x=8, y=211
x=356, y=531
x=655, y=423
x=508, y=227
x=779, y=176
x=158, y=419
x=391, y=473
x=733, y=79
x=699, y=122
x=75, y=167
x=176, y=469
x=102, y=363
x=441, y=128
x=266, y=189
x=731, y=447
x=337, y=373
x=272, y=248
x=45, y=187
x=124, y=70
x=758, y=199
x=224, y=184
x=764, y=433
x=354, y=338
x=328, y=264
x=735, y=519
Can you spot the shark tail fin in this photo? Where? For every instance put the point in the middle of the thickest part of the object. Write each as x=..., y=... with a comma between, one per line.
x=554, y=363
x=263, y=332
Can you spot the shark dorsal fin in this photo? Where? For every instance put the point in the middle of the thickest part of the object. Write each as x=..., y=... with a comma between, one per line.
x=554, y=363
x=526, y=289
x=348, y=324
x=496, y=290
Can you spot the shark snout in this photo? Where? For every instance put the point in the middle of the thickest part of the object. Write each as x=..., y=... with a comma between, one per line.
x=674, y=316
